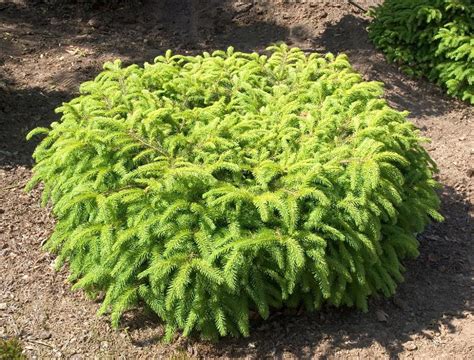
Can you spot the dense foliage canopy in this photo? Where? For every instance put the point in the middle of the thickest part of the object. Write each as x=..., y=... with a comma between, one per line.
x=211, y=186
x=434, y=38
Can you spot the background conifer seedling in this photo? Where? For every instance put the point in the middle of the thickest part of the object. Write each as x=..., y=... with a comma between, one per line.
x=206, y=187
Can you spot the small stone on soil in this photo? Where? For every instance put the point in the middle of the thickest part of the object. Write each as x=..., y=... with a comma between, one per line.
x=93, y=22
x=410, y=346
x=44, y=335
x=382, y=316
x=243, y=6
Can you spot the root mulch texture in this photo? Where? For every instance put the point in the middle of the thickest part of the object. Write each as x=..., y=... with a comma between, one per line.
x=47, y=50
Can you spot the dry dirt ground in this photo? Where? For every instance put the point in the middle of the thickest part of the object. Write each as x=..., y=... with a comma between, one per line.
x=46, y=51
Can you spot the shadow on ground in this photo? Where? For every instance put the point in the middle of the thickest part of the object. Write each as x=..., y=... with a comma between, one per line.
x=139, y=31
x=350, y=36
x=71, y=45
x=20, y=111
x=76, y=43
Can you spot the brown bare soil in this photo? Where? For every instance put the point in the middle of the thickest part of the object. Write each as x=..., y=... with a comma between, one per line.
x=46, y=51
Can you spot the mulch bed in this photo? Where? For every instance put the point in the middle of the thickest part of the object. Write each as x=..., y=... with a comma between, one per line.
x=47, y=51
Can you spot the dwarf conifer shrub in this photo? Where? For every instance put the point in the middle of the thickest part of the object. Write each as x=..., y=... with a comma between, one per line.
x=432, y=38
x=209, y=187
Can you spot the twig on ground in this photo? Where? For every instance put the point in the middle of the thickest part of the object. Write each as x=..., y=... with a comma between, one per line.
x=15, y=326
x=14, y=186
x=40, y=343
x=357, y=5
x=312, y=50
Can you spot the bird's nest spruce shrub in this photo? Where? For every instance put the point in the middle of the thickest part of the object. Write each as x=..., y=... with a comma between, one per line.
x=432, y=38
x=211, y=187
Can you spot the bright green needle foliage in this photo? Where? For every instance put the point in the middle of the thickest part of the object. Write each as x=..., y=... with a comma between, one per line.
x=207, y=187
x=11, y=349
x=434, y=38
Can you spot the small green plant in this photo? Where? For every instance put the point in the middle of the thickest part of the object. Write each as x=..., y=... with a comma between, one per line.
x=433, y=38
x=208, y=187
x=10, y=349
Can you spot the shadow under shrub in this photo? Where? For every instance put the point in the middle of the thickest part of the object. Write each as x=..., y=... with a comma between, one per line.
x=434, y=38
x=208, y=187
x=87, y=4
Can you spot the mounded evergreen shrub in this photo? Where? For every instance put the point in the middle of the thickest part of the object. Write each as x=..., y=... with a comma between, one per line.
x=433, y=38
x=209, y=187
